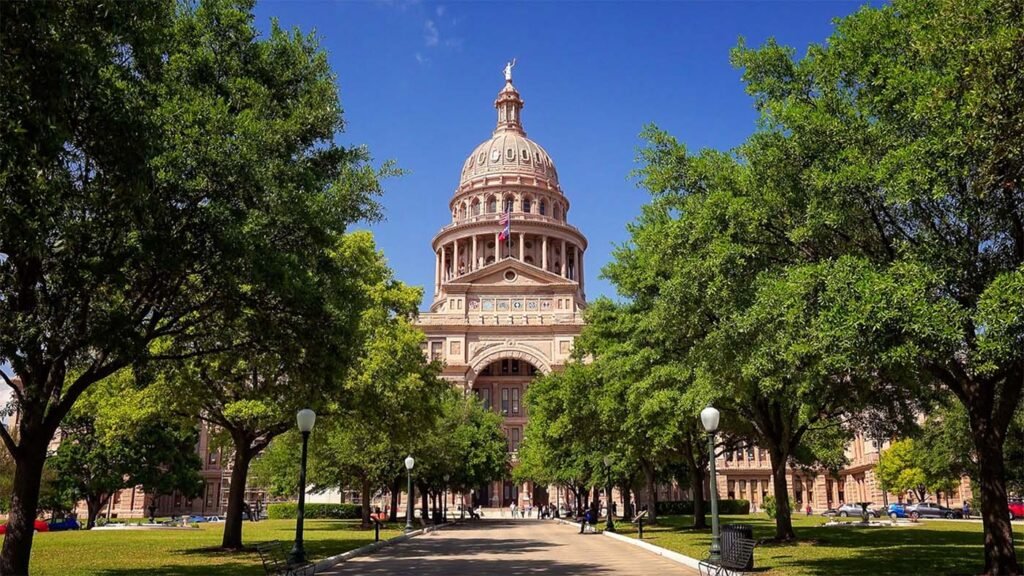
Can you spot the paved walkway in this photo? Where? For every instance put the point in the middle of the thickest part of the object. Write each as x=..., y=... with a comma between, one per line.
x=510, y=548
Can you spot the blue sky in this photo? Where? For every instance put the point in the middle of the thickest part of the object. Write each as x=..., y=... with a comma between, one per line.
x=418, y=82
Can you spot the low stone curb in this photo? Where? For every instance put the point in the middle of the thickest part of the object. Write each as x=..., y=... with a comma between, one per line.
x=374, y=546
x=663, y=552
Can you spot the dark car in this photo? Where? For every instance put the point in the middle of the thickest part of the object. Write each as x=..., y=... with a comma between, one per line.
x=931, y=510
x=65, y=524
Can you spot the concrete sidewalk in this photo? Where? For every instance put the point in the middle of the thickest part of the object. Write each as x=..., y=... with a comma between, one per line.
x=510, y=548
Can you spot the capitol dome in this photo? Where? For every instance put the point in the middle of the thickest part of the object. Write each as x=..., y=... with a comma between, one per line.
x=509, y=151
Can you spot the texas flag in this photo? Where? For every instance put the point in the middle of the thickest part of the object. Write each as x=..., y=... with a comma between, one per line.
x=506, y=223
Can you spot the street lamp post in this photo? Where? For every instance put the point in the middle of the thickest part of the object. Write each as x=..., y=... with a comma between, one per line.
x=609, y=525
x=709, y=418
x=409, y=462
x=305, y=418
x=444, y=504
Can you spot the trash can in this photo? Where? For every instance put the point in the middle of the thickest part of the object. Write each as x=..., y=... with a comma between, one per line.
x=731, y=532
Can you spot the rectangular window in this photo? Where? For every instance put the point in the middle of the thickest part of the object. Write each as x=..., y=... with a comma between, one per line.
x=504, y=366
x=485, y=397
x=504, y=401
x=515, y=366
x=515, y=439
x=515, y=401
x=436, y=350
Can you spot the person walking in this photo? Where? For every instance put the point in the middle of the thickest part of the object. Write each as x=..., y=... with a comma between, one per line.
x=808, y=508
x=967, y=510
x=512, y=509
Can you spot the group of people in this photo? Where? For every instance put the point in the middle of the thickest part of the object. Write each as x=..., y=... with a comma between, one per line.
x=528, y=511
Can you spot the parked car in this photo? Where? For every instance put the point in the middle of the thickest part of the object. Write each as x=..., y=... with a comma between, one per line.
x=931, y=510
x=66, y=524
x=897, y=510
x=1016, y=509
x=40, y=526
x=830, y=512
x=854, y=509
x=197, y=519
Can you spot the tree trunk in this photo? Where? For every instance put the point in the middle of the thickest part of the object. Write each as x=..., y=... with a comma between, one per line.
x=425, y=513
x=93, y=504
x=396, y=487
x=1000, y=557
x=236, y=494
x=28, y=474
x=700, y=519
x=652, y=492
x=783, y=515
x=366, y=502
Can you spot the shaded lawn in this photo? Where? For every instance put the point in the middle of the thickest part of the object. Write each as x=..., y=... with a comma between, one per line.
x=186, y=552
x=932, y=547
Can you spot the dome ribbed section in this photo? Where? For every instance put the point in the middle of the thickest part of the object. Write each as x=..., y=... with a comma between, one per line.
x=509, y=151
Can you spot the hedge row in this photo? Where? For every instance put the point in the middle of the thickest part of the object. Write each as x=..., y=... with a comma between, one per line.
x=289, y=510
x=685, y=507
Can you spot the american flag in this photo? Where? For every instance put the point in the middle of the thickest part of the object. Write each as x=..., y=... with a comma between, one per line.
x=506, y=223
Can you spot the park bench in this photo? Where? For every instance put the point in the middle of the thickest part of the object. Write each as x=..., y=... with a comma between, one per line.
x=735, y=559
x=275, y=561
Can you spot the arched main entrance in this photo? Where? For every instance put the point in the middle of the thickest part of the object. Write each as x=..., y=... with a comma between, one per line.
x=501, y=385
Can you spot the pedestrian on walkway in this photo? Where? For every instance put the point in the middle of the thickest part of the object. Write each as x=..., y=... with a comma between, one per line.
x=967, y=510
x=512, y=509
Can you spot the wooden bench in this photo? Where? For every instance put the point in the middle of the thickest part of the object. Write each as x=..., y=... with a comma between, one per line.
x=735, y=559
x=275, y=561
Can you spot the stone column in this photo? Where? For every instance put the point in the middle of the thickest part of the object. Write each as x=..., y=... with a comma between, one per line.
x=576, y=263
x=562, y=256
x=544, y=254
x=437, y=272
x=579, y=268
x=522, y=246
x=455, y=258
x=497, y=247
x=475, y=263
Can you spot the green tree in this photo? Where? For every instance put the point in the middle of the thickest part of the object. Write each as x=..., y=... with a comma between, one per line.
x=899, y=470
x=251, y=392
x=92, y=464
x=907, y=175
x=165, y=171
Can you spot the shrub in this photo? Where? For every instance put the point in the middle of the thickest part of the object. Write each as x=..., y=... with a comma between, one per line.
x=685, y=507
x=290, y=510
x=770, y=507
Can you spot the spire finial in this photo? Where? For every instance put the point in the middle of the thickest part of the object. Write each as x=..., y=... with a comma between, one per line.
x=508, y=69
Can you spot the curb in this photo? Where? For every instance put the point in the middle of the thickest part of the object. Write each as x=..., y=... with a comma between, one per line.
x=374, y=546
x=663, y=552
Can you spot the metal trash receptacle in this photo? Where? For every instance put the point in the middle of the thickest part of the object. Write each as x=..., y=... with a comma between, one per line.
x=731, y=532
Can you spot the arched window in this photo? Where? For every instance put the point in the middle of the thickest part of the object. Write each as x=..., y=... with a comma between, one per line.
x=462, y=211
x=492, y=204
x=475, y=209
x=509, y=203
x=557, y=211
x=542, y=208
x=527, y=204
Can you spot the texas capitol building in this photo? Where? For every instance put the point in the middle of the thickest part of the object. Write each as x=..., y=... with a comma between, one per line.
x=508, y=281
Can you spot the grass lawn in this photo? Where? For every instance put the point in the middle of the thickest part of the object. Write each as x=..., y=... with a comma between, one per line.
x=932, y=547
x=185, y=553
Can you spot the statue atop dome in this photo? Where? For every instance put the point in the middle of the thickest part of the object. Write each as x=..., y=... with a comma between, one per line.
x=508, y=69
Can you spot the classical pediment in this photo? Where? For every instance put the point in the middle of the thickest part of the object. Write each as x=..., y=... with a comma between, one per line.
x=507, y=274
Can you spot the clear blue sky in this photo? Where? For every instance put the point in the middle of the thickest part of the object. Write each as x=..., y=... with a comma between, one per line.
x=418, y=82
